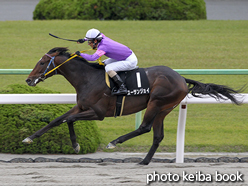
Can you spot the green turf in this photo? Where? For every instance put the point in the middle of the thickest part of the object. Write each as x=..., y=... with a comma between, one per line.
x=177, y=44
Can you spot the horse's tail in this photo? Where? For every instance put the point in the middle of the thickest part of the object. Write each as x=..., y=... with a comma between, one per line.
x=213, y=90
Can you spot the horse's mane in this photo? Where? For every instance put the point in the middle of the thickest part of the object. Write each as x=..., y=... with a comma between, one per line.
x=64, y=51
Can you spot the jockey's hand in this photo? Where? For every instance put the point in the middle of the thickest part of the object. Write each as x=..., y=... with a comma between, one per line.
x=80, y=41
x=78, y=53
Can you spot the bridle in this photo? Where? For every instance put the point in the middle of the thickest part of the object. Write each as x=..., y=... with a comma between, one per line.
x=46, y=72
x=49, y=64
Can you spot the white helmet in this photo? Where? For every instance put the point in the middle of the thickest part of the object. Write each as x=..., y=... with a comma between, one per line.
x=93, y=34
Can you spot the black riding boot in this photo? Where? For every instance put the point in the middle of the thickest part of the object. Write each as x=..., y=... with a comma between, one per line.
x=122, y=88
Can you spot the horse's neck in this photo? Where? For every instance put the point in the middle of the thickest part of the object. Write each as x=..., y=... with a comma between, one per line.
x=80, y=75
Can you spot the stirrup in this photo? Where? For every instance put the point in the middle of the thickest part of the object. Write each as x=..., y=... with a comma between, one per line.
x=121, y=91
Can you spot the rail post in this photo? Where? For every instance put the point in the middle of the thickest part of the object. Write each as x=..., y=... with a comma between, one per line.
x=138, y=117
x=181, y=132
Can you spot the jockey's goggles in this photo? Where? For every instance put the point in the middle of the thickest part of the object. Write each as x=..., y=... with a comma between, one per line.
x=90, y=41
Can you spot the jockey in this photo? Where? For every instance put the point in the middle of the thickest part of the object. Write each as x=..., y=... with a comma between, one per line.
x=121, y=58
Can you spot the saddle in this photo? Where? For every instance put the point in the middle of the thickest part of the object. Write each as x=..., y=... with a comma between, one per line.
x=136, y=82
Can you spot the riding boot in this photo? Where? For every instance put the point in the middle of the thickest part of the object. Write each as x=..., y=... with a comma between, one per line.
x=122, y=90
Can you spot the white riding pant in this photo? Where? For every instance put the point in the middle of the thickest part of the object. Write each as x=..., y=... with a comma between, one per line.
x=128, y=64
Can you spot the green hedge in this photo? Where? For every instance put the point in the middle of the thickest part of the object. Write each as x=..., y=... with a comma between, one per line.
x=20, y=121
x=120, y=9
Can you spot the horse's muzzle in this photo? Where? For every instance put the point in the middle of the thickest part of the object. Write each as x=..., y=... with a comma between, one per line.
x=30, y=82
x=34, y=81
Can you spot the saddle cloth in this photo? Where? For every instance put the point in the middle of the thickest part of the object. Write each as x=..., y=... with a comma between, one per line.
x=135, y=80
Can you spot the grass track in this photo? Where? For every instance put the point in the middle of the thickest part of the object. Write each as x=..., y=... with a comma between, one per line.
x=177, y=44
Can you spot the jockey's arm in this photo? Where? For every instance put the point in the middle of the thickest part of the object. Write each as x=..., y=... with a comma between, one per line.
x=93, y=57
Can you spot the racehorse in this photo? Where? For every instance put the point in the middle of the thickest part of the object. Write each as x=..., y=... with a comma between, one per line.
x=95, y=102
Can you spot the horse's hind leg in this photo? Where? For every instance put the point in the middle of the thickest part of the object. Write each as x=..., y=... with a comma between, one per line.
x=146, y=125
x=158, y=136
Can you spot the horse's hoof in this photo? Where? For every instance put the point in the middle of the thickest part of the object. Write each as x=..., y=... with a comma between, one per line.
x=77, y=148
x=27, y=141
x=110, y=146
x=143, y=163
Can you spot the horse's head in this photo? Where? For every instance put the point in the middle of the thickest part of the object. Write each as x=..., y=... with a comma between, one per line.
x=42, y=69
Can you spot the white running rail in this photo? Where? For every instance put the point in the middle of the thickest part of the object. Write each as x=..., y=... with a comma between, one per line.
x=71, y=99
x=183, y=115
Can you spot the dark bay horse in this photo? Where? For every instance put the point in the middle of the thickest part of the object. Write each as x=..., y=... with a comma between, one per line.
x=94, y=100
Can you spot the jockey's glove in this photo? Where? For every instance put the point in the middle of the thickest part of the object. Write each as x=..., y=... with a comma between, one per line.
x=78, y=53
x=81, y=41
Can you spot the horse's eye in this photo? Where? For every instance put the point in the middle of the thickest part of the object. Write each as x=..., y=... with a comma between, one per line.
x=42, y=63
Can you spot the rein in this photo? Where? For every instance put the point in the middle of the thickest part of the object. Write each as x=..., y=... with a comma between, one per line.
x=56, y=67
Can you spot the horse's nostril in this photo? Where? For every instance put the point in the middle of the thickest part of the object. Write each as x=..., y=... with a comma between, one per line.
x=28, y=80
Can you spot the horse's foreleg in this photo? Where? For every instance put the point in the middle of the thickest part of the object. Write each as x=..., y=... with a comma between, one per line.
x=54, y=123
x=73, y=137
x=90, y=114
x=40, y=132
x=71, y=116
